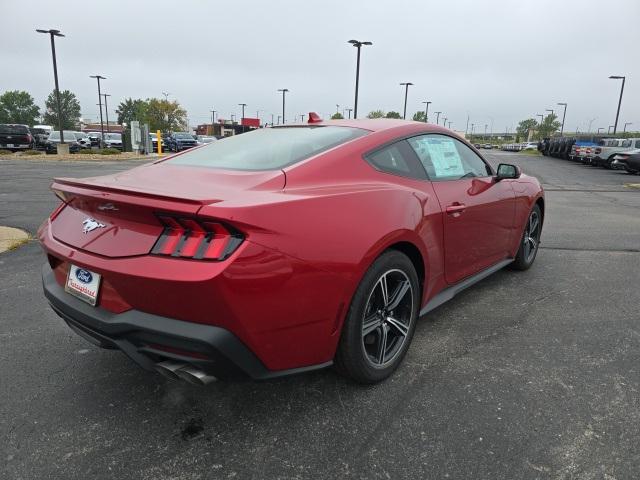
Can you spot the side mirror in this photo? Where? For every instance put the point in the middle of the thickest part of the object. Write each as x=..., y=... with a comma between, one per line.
x=508, y=171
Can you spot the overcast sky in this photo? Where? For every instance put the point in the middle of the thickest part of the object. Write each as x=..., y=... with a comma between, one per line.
x=502, y=60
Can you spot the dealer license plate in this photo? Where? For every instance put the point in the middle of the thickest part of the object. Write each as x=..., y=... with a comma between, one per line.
x=83, y=284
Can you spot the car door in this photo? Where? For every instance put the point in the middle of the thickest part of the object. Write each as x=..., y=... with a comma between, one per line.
x=478, y=212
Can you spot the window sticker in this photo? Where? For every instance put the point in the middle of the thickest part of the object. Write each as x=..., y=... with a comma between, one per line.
x=444, y=156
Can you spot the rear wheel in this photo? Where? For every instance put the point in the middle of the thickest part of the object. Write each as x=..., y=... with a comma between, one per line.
x=530, y=240
x=381, y=320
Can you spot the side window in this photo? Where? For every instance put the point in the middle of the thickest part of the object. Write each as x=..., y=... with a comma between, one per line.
x=395, y=159
x=637, y=143
x=626, y=143
x=445, y=158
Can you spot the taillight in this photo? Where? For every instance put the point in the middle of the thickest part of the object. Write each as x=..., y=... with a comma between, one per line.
x=201, y=239
x=598, y=150
x=588, y=150
x=29, y=137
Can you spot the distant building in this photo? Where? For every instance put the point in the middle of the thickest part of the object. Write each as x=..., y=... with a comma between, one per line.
x=226, y=128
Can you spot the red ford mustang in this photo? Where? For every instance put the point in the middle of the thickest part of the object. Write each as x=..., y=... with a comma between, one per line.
x=286, y=249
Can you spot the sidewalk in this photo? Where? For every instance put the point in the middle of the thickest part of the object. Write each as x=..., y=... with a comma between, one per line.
x=11, y=238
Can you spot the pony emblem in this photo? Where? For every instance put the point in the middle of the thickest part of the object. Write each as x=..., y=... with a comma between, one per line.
x=90, y=224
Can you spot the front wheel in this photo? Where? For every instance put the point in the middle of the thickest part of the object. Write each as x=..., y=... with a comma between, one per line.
x=380, y=321
x=530, y=240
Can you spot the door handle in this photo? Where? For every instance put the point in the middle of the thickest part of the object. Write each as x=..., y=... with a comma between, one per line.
x=455, y=209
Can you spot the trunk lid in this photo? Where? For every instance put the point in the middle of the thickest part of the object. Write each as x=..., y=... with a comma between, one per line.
x=117, y=215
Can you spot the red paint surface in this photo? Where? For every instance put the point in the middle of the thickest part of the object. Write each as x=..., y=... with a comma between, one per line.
x=311, y=231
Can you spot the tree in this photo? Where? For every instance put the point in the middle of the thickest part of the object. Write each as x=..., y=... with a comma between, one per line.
x=393, y=114
x=165, y=115
x=337, y=116
x=419, y=116
x=523, y=128
x=548, y=126
x=70, y=110
x=376, y=114
x=130, y=110
x=17, y=106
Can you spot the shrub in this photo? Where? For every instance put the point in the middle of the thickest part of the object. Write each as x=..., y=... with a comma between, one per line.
x=5, y=152
x=32, y=152
x=109, y=151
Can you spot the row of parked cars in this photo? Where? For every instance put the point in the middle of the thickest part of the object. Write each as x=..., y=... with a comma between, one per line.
x=607, y=152
x=518, y=147
x=16, y=137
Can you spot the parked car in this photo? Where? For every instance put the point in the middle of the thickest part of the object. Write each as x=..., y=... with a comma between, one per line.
x=95, y=138
x=529, y=146
x=607, y=149
x=204, y=139
x=154, y=142
x=210, y=265
x=629, y=161
x=54, y=140
x=15, y=137
x=40, y=136
x=178, y=141
x=477, y=145
x=487, y=146
x=83, y=140
x=113, y=140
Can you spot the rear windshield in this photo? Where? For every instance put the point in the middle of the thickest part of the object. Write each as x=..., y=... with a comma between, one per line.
x=268, y=148
x=15, y=129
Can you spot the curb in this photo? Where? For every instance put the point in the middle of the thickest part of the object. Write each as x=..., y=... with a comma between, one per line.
x=12, y=238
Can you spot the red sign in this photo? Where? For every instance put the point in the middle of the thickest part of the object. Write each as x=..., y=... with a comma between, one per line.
x=250, y=122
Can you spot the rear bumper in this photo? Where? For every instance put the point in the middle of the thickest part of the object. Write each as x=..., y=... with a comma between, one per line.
x=149, y=339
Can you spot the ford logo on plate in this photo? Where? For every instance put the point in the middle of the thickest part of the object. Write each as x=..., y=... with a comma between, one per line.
x=83, y=276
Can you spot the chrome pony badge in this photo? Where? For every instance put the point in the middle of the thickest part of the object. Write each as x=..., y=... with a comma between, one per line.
x=90, y=224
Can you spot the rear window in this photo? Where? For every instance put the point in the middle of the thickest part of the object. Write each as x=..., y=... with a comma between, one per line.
x=14, y=129
x=268, y=148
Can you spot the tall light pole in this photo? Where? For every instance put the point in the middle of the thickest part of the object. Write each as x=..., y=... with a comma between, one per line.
x=438, y=118
x=349, y=110
x=485, y=131
x=55, y=33
x=449, y=125
x=106, y=109
x=609, y=129
x=279, y=117
x=99, y=77
x=358, y=45
x=601, y=128
x=617, y=77
x=624, y=130
x=591, y=123
x=284, y=92
x=549, y=110
x=444, y=122
x=426, y=112
x=472, y=127
x=406, y=93
x=467, y=127
x=166, y=96
x=541, y=118
x=564, y=114
x=242, y=105
x=213, y=120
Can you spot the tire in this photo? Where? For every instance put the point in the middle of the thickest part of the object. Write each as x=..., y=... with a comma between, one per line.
x=359, y=355
x=526, y=256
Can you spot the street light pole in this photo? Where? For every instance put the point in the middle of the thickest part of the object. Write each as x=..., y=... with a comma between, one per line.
x=349, y=110
x=166, y=96
x=284, y=92
x=106, y=109
x=609, y=129
x=617, y=77
x=242, y=105
x=99, y=77
x=564, y=114
x=624, y=130
x=438, y=118
x=449, y=125
x=358, y=45
x=426, y=112
x=601, y=128
x=406, y=93
x=444, y=122
x=56, y=33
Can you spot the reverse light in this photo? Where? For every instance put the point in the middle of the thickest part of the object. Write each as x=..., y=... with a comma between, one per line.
x=199, y=239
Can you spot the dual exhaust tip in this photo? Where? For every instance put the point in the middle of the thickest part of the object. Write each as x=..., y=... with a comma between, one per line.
x=183, y=371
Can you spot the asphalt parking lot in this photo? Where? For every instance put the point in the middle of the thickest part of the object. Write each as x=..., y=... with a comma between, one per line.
x=526, y=375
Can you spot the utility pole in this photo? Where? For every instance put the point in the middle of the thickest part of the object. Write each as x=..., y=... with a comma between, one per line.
x=98, y=78
x=358, y=44
x=426, y=112
x=284, y=92
x=406, y=94
x=56, y=33
x=438, y=118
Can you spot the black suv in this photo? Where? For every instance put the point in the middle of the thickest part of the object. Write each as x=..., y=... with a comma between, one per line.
x=15, y=137
x=179, y=141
